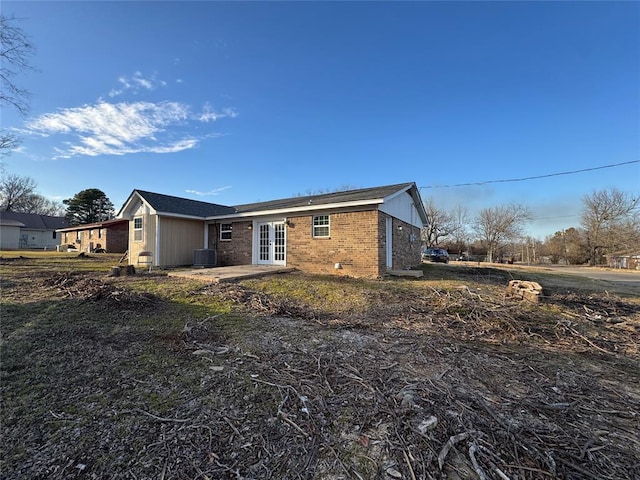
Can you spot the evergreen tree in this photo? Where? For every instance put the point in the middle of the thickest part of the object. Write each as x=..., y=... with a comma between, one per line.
x=88, y=206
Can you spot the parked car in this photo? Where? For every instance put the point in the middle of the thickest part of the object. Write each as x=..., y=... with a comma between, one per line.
x=436, y=255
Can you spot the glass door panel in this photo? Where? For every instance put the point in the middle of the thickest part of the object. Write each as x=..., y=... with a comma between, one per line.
x=278, y=243
x=264, y=244
x=272, y=243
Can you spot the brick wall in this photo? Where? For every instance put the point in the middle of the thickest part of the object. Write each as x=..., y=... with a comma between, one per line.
x=117, y=238
x=114, y=238
x=357, y=243
x=406, y=245
x=354, y=244
x=236, y=251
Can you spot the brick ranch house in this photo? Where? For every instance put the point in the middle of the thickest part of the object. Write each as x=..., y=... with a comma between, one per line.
x=363, y=232
x=110, y=235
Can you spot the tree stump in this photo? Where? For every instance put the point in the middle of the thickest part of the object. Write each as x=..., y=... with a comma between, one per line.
x=524, y=290
x=122, y=270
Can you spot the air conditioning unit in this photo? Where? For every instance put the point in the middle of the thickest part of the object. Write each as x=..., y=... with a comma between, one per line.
x=204, y=258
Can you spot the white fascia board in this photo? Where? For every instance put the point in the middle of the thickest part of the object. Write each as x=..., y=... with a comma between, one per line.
x=176, y=215
x=306, y=208
x=419, y=204
x=417, y=200
x=128, y=203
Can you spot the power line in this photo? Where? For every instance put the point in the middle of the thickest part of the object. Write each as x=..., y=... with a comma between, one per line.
x=532, y=178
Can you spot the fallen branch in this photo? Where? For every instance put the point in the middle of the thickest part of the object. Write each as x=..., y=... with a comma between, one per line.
x=573, y=331
x=406, y=459
x=447, y=446
x=155, y=417
x=286, y=418
x=476, y=466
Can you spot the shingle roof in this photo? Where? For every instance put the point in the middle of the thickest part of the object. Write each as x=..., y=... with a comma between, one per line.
x=168, y=204
x=183, y=206
x=33, y=221
x=362, y=194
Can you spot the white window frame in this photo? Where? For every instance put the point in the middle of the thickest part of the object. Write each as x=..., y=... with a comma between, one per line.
x=138, y=231
x=226, y=232
x=316, y=227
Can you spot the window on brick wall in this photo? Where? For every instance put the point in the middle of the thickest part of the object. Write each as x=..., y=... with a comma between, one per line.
x=225, y=231
x=137, y=229
x=321, y=227
x=99, y=233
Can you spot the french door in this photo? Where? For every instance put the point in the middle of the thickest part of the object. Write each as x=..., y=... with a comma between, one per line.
x=272, y=243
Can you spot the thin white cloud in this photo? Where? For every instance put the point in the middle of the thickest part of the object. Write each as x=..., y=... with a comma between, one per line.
x=136, y=83
x=210, y=115
x=215, y=191
x=122, y=128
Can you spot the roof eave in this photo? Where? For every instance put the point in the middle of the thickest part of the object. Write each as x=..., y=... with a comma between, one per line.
x=179, y=215
x=302, y=209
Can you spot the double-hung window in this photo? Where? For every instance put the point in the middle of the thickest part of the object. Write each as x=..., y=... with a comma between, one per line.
x=225, y=231
x=321, y=228
x=137, y=229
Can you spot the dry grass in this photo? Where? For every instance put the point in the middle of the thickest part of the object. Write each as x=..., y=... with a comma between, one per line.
x=297, y=376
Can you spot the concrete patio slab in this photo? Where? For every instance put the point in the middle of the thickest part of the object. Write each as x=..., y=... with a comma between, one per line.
x=229, y=274
x=406, y=273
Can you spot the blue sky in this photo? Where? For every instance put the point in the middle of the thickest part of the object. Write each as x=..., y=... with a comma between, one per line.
x=240, y=102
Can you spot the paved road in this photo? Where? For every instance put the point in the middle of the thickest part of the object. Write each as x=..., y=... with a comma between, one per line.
x=631, y=278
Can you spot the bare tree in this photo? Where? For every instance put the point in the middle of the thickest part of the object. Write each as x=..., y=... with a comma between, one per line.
x=443, y=225
x=460, y=222
x=496, y=226
x=15, y=51
x=41, y=205
x=15, y=191
x=566, y=246
x=610, y=221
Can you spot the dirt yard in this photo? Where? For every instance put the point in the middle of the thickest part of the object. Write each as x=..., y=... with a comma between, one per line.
x=307, y=377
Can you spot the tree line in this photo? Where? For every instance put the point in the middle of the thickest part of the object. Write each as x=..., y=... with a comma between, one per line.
x=18, y=194
x=609, y=224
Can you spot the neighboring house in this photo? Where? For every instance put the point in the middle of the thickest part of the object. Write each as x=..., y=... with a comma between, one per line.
x=110, y=235
x=10, y=234
x=363, y=232
x=630, y=260
x=33, y=231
